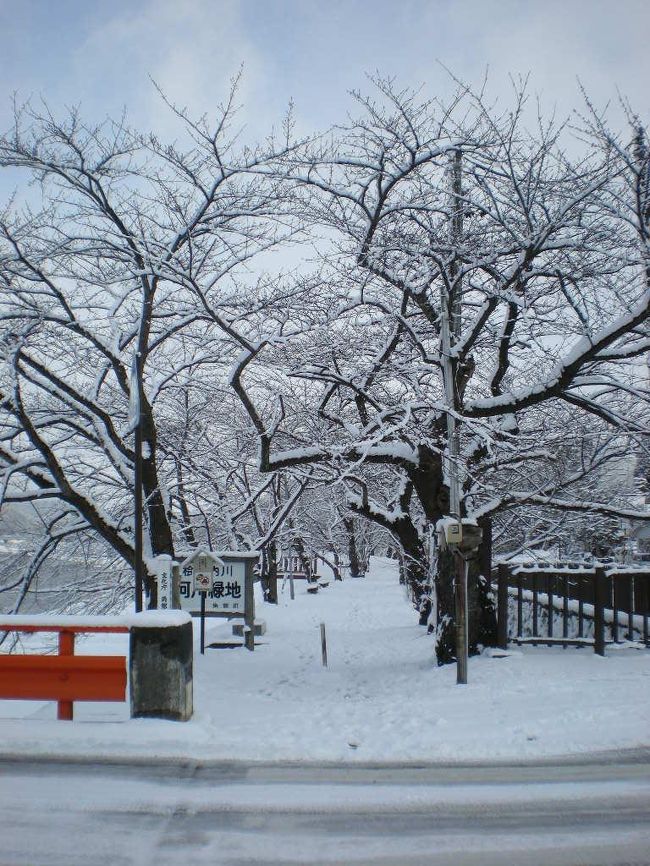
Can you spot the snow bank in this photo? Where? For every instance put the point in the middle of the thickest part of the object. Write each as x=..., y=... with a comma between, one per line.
x=146, y=619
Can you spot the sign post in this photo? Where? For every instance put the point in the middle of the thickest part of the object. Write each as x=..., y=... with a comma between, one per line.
x=203, y=595
x=220, y=584
x=203, y=563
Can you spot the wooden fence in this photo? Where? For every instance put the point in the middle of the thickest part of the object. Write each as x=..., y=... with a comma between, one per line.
x=572, y=606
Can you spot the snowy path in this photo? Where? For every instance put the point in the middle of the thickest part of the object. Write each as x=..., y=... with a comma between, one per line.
x=72, y=815
x=382, y=699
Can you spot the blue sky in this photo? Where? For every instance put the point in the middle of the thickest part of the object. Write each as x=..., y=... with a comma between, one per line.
x=102, y=53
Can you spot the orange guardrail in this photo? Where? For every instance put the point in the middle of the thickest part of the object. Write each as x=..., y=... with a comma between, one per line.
x=65, y=677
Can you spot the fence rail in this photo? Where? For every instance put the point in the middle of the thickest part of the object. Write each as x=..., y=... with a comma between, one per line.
x=65, y=677
x=572, y=606
x=159, y=662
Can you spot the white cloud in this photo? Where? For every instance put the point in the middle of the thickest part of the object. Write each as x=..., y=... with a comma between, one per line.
x=191, y=48
x=103, y=54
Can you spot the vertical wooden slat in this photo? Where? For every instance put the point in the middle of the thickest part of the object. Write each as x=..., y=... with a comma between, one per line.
x=581, y=606
x=600, y=597
x=630, y=608
x=614, y=596
x=642, y=604
x=65, y=709
x=549, y=597
x=520, y=606
x=535, y=611
x=565, y=612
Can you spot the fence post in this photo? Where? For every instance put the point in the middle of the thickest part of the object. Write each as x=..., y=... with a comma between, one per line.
x=161, y=654
x=600, y=600
x=503, y=573
x=630, y=608
x=65, y=709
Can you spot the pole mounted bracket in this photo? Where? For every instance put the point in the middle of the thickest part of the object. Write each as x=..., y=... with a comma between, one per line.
x=459, y=536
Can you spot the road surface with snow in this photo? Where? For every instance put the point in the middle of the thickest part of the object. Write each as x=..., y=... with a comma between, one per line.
x=78, y=814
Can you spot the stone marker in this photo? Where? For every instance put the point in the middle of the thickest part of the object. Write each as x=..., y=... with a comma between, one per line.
x=161, y=654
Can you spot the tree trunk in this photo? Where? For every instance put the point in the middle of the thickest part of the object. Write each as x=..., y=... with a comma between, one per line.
x=334, y=563
x=445, y=609
x=270, y=572
x=483, y=626
x=299, y=546
x=156, y=517
x=353, y=554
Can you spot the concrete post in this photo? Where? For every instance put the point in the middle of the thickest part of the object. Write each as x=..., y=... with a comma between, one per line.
x=249, y=608
x=161, y=654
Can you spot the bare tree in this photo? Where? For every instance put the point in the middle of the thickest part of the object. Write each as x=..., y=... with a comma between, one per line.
x=545, y=284
x=125, y=270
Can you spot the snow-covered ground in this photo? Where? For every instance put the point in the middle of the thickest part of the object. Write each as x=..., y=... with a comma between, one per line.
x=381, y=698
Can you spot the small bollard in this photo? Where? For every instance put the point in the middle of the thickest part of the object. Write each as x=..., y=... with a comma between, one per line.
x=323, y=644
x=161, y=655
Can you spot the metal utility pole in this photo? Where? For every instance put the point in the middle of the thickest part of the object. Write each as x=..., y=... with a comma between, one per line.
x=450, y=327
x=135, y=412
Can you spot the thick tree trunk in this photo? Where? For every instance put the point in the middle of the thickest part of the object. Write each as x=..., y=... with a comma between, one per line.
x=445, y=609
x=156, y=517
x=353, y=554
x=188, y=531
x=270, y=573
x=485, y=620
x=402, y=569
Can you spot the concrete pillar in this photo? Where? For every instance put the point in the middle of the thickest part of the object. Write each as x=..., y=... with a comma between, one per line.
x=161, y=654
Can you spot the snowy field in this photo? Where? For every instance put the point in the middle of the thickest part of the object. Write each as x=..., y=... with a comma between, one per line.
x=381, y=699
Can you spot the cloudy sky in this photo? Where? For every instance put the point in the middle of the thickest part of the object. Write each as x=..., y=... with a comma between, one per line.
x=103, y=53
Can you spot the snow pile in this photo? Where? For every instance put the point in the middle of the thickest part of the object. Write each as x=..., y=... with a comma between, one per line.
x=381, y=699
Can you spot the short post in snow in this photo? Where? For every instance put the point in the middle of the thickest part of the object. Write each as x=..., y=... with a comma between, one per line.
x=323, y=644
x=160, y=660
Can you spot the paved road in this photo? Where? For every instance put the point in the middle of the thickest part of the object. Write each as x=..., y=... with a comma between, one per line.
x=581, y=813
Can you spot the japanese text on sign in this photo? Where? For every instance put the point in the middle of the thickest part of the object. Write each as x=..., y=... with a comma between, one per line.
x=224, y=595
